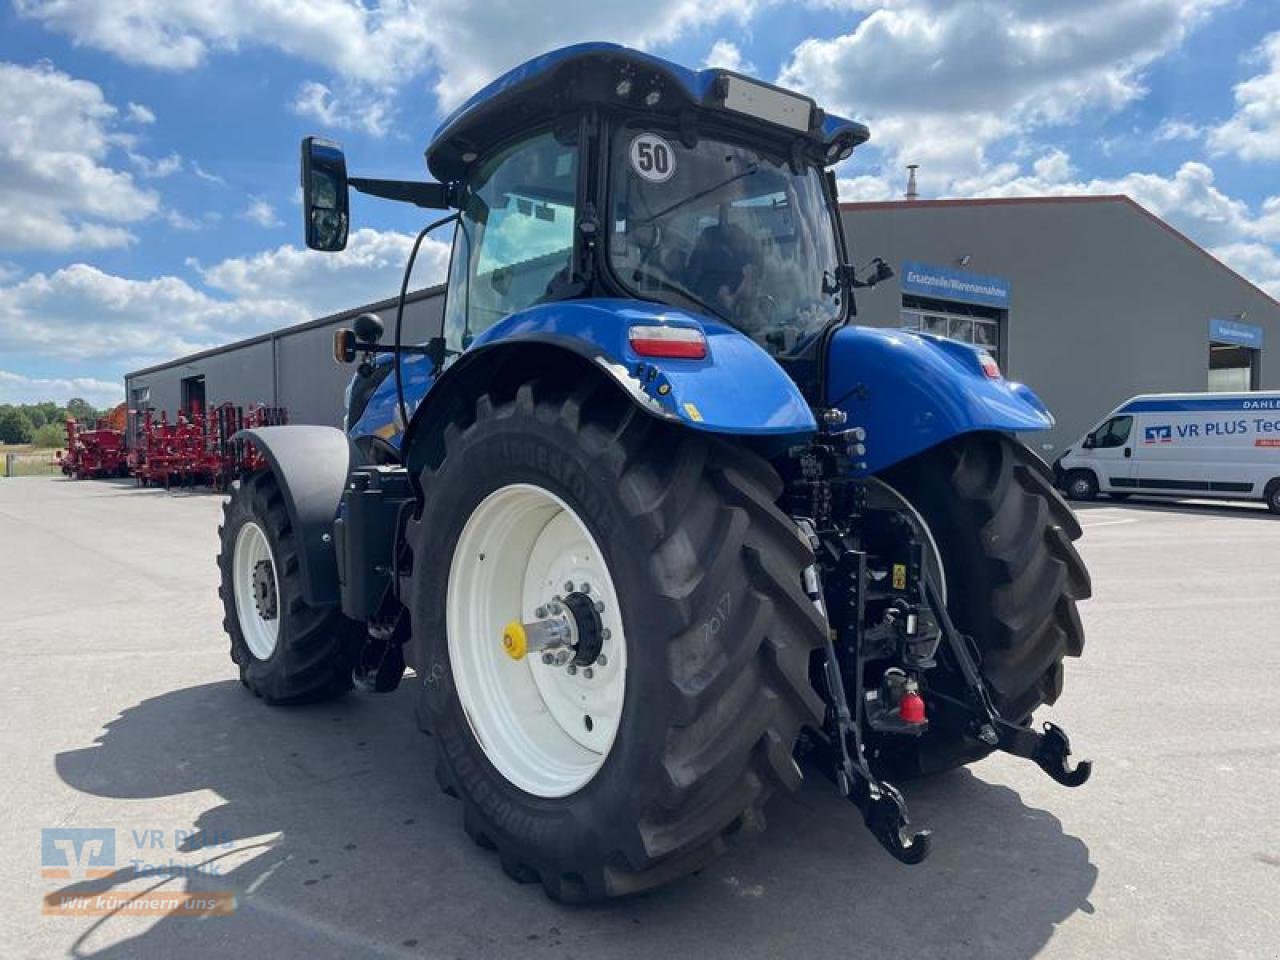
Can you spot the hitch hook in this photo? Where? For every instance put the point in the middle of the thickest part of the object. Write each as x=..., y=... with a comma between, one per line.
x=1051, y=756
x=885, y=814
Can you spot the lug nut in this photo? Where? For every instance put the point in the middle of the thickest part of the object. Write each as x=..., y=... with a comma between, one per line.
x=568, y=586
x=572, y=669
x=602, y=660
x=605, y=634
x=588, y=673
x=585, y=588
x=548, y=658
x=599, y=606
x=540, y=612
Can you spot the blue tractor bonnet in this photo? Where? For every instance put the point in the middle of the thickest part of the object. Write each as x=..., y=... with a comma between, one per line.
x=610, y=75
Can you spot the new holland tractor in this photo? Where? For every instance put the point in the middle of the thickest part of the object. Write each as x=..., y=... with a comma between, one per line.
x=656, y=527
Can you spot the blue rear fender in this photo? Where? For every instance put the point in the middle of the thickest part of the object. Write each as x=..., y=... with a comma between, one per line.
x=913, y=391
x=738, y=389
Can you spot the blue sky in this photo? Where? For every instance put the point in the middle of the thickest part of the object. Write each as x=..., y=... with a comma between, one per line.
x=148, y=162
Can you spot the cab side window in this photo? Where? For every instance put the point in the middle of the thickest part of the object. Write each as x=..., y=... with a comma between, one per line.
x=1113, y=433
x=513, y=246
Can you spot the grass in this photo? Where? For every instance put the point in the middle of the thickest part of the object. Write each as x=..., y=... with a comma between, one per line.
x=25, y=460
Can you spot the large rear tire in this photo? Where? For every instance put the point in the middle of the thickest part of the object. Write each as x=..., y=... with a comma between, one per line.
x=1013, y=579
x=287, y=650
x=717, y=630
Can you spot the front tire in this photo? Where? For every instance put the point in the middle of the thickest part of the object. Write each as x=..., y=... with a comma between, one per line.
x=1013, y=579
x=717, y=632
x=1082, y=485
x=287, y=650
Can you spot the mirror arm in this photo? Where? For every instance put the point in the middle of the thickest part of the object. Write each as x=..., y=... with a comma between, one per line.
x=433, y=196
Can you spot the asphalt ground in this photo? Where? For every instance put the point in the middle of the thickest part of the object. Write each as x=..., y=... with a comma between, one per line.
x=321, y=829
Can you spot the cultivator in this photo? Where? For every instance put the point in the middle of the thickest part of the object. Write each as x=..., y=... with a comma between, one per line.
x=93, y=453
x=198, y=448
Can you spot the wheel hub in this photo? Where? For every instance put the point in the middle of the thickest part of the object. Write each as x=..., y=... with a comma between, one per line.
x=264, y=589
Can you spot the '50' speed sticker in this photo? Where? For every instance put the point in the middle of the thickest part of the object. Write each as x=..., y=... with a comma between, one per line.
x=652, y=158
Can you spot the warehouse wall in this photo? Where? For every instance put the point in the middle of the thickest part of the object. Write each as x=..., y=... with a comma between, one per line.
x=1106, y=302
x=293, y=368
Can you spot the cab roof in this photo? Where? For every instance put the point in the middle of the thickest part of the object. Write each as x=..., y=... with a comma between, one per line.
x=608, y=74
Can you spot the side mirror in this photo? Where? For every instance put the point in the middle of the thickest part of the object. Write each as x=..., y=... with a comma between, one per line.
x=883, y=272
x=324, y=194
x=344, y=346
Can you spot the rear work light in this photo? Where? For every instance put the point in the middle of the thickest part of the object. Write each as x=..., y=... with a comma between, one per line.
x=989, y=365
x=680, y=343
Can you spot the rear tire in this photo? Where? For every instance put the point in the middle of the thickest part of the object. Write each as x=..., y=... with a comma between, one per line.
x=1082, y=485
x=287, y=650
x=1272, y=495
x=718, y=636
x=1013, y=580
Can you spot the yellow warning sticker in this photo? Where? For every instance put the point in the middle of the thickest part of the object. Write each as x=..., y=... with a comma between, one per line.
x=899, y=576
x=693, y=412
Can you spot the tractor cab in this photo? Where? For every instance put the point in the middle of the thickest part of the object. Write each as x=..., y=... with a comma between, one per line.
x=598, y=171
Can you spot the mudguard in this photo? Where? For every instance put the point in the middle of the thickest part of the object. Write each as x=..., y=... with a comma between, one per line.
x=737, y=389
x=311, y=465
x=912, y=391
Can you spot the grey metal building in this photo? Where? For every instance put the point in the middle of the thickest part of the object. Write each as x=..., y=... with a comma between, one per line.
x=1090, y=300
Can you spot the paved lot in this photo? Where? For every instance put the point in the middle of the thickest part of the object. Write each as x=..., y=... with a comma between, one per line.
x=121, y=711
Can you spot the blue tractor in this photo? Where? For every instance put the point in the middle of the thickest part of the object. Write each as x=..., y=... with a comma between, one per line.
x=657, y=528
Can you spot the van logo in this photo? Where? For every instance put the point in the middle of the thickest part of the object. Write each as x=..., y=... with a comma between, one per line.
x=1160, y=434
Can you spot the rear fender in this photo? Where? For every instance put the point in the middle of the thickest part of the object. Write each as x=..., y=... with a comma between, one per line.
x=913, y=391
x=738, y=389
x=311, y=465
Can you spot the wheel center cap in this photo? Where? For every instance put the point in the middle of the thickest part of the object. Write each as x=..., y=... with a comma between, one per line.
x=264, y=589
x=589, y=629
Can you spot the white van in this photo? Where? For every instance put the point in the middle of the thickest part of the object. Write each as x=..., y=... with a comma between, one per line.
x=1223, y=446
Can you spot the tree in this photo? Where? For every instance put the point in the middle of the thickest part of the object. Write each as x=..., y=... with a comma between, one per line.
x=35, y=415
x=81, y=410
x=14, y=426
x=49, y=436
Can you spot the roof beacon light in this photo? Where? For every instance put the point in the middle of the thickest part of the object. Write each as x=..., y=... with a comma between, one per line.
x=679, y=343
x=764, y=102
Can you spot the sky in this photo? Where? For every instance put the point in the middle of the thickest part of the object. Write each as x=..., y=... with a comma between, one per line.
x=149, y=150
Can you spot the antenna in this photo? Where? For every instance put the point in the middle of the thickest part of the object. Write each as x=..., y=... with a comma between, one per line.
x=912, y=193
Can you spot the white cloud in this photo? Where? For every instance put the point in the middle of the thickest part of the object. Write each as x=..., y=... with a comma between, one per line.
x=141, y=114
x=262, y=213
x=726, y=55
x=867, y=188
x=84, y=314
x=205, y=175
x=358, y=109
x=81, y=312
x=1171, y=130
x=939, y=83
x=374, y=45
x=1253, y=134
x=156, y=169
x=57, y=191
x=369, y=269
x=17, y=388
x=1256, y=261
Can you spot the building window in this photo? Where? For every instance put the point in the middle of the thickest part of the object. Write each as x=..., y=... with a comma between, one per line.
x=968, y=323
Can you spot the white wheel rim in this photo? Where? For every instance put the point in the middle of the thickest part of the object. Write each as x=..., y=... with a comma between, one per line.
x=547, y=731
x=252, y=548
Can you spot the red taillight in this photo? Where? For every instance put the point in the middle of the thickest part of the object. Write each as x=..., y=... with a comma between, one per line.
x=680, y=343
x=989, y=365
